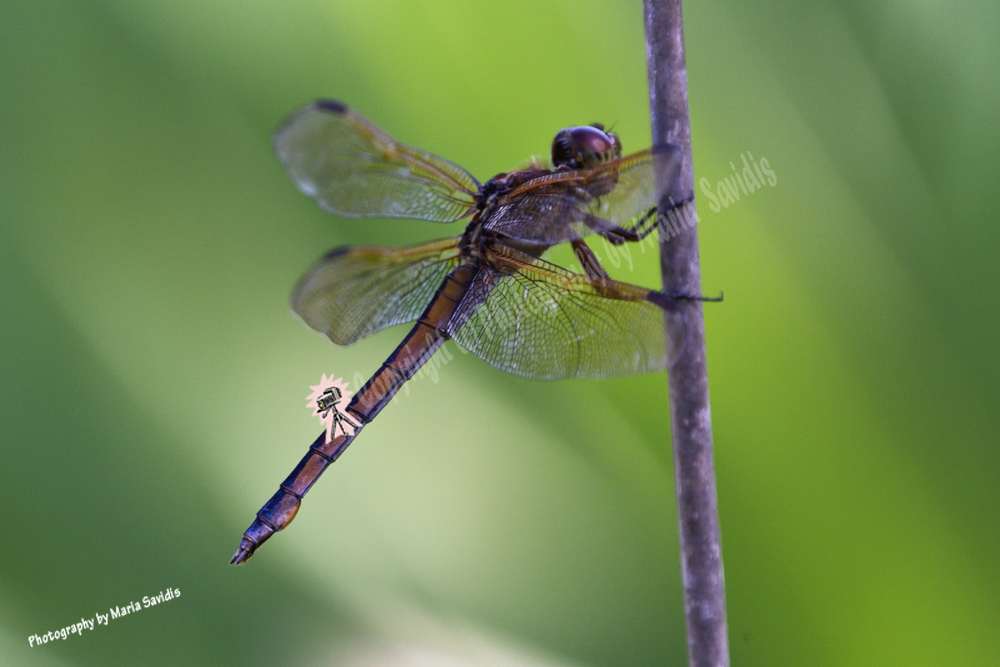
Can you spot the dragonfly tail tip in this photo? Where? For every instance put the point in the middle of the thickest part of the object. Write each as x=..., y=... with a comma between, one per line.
x=242, y=555
x=260, y=530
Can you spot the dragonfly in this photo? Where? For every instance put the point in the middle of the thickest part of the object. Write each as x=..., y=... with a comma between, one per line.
x=488, y=289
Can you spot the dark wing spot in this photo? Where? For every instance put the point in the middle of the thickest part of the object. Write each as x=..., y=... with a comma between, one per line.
x=336, y=252
x=331, y=105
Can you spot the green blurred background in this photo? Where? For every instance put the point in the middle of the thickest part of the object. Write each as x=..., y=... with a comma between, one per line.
x=154, y=379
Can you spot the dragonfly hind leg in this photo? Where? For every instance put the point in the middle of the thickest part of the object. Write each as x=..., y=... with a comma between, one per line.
x=692, y=297
x=592, y=267
x=588, y=260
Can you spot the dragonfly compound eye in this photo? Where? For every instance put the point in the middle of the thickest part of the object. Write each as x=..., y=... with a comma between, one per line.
x=591, y=139
x=584, y=147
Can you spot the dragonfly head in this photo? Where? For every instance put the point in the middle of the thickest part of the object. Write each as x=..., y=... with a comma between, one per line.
x=585, y=147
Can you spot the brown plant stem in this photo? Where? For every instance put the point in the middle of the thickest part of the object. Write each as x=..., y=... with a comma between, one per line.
x=690, y=415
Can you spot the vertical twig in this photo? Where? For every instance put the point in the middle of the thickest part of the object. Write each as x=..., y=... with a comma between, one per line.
x=690, y=416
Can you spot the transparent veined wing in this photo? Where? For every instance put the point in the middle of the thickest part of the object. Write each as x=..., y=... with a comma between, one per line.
x=353, y=168
x=355, y=291
x=531, y=318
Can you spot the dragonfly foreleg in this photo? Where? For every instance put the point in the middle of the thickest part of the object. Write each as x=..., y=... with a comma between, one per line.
x=617, y=235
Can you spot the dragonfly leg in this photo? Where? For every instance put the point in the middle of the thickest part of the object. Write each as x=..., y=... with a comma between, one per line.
x=617, y=235
x=693, y=297
x=600, y=280
x=588, y=260
x=645, y=225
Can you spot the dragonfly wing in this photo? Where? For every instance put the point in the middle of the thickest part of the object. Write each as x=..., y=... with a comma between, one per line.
x=634, y=186
x=355, y=291
x=534, y=319
x=567, y=205
x=353, y=168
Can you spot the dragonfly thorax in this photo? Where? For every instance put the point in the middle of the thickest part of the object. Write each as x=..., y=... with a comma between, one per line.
x=503, y=184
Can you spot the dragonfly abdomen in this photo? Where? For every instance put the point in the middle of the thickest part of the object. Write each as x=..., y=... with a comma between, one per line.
x=418, y=346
